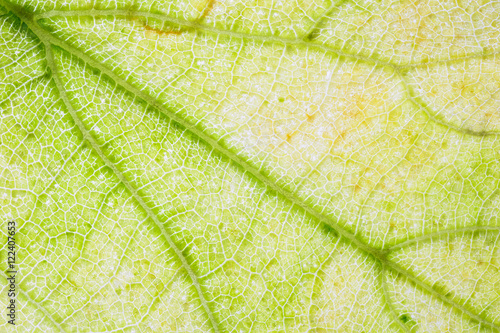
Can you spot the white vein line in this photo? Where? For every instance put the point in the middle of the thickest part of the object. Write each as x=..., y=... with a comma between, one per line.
x=40, y=308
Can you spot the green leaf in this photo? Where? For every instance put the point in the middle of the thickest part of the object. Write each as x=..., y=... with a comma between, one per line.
x=251, y=166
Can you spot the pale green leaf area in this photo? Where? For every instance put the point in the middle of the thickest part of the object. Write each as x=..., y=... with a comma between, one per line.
x=251, y=166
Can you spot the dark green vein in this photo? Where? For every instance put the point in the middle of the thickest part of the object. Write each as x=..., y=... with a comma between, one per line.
x=319, y=20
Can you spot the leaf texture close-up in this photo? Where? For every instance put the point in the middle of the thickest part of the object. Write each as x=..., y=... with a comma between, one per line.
x=250, y=165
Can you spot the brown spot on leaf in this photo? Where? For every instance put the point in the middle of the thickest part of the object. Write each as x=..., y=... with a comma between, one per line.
x=208, y=8
x=151, y=32
x=310, y=117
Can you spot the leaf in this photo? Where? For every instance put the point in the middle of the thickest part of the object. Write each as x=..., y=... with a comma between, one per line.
x=264, y=166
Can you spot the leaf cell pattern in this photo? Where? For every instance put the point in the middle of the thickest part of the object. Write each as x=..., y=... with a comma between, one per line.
x=252, y=166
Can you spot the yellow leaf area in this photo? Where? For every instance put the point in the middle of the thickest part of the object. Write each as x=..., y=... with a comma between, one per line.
x=252, y=166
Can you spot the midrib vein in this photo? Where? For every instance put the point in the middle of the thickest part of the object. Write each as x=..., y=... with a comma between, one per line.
x=48, y=38
x=129, y=187
x=380, y=255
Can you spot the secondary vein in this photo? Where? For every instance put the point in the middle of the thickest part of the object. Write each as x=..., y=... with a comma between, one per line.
x=87, y=136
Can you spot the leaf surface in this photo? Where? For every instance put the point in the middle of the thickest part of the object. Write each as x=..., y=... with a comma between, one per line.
x=264, y=166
